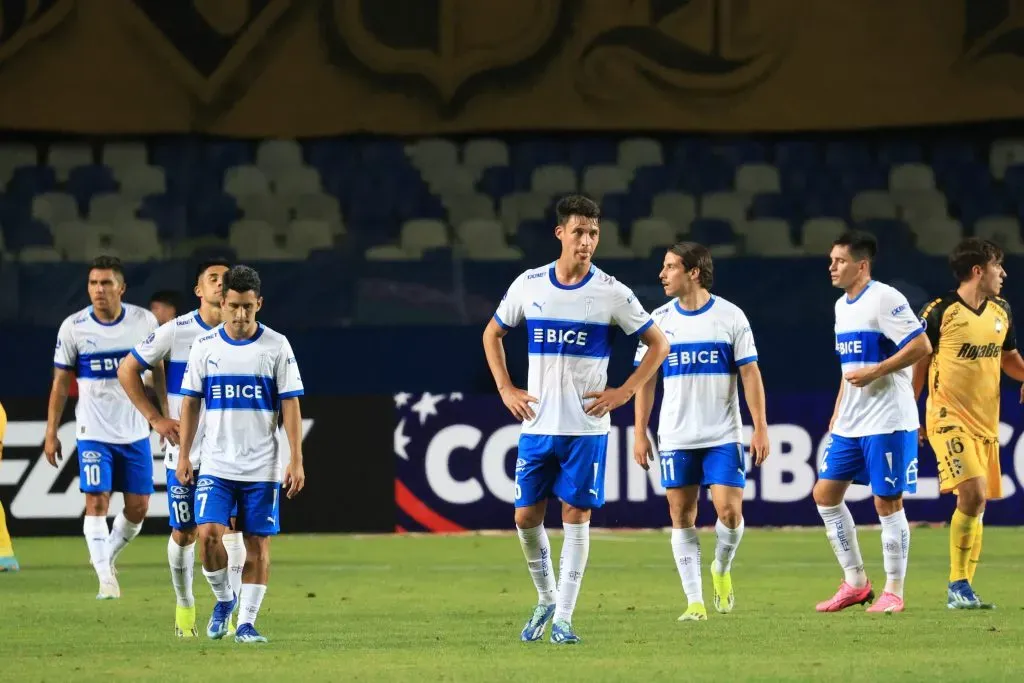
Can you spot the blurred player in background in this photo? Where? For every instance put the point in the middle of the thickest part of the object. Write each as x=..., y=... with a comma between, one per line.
x=570, y=309
x=700, y=430
x=873, y=432
x=8, y=562
x=171, y=343
x=246, y=375
x=973, y=340
x=165, y=305
x=113, y=437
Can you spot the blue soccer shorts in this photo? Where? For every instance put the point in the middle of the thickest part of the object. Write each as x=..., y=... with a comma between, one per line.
x=722, y=465
x=569, y=467
x=181, y=500
x=888, y=462
x=258, y=509
x=107, y=467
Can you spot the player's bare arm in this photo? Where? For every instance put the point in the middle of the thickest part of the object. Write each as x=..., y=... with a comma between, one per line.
x=129, y=374
x=515, y=399
x=189, y=423
x=295, y=475
x=753, y=392
x=611, y=398
x=643, y=453
x=1013, y=365
x=54, y=411
x=917, y=348
x=835, y=410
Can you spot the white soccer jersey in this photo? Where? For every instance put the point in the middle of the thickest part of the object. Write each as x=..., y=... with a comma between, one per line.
x=870, y=328
x=242, y=384
x=700, y=407
x=93, y=350
x=172, y=342
x=569, y=331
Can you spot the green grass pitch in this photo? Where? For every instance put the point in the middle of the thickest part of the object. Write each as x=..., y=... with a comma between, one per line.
x=450, y=608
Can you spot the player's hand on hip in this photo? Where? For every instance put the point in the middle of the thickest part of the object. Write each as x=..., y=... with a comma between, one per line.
x=518, y=402
x=1022, y=393
x=643, y=454
x=167, y=429
x=922, y=435
x=759, y=446
x=606, y=401
x=861, y=377
x=184, y=469
x=294, y=478
x=51, y=449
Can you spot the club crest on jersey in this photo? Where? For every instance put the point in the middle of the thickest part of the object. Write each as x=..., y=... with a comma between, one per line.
x=999, y=325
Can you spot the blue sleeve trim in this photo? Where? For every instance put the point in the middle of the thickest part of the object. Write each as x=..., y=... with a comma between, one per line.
x=189, y=392
x=141, y=360
x=501, y=322
x=909, y=338
x=62, y=366
x=744, y=361
x=292, y=394
x=636, y=363
x=643, y=328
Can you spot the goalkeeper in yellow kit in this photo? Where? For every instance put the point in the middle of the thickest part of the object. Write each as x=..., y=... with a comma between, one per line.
x=8, y=563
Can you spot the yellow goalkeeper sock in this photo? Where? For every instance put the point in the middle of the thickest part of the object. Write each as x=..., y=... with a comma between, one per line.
x=6, y=549
x=972, y=565
x=962, y=529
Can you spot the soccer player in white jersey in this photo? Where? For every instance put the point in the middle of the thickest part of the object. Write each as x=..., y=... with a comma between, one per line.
x=246, y=375
x=113, y=437
x=873, y=432
x=170, y=344
x=699, y=430
x=570, y=308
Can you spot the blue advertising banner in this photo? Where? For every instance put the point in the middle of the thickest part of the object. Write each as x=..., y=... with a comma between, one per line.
x=456, y=455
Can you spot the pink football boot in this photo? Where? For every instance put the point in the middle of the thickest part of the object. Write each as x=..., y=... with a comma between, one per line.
x=847, y=596
x=889, y=603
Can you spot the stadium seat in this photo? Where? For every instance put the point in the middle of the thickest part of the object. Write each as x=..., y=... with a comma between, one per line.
x=240, y=181
x=1003, y=154
x=912, y=177
x=522, y=206
x=40, y=254
x=303, y=236
x=716, y=234
x=610, y=244
x=938, y=236
x=433, y=153
x=268, y=208
x=1003, y=230
x=62, y=158
x=872, y=204
x=648, y=234
x=554, y=180
x=54, y=207
x=455, y=180
x=915, y=206
x=276, y=157
x=318, y=207
x=634, y=153
x=676, y=207
x=818, y=234
x=484, y=240
x=729, y=206
x=419, y=235
x=769, y=237
x=85, y=181
x=297, y=180
x=484, y=153
x=139, y=181
x=123, y=156
x=497, y=181
x=14, y=156
x=389, y=252
x=898, y=152
x=137, y=241
x=76, y=239
x=467, y=207
x=27, y=181
x=757, y=179
x=599, y=180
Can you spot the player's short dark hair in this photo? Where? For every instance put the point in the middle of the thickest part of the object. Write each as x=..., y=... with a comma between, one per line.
x=168, y=297
x=210, y=263
x=107, y=263
x=242, y=279
x=862, y=245
x=576, y=205
x=973, y=251
x=696, y=255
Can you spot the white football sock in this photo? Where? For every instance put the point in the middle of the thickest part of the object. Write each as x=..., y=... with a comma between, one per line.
x=94, y=527
x=575, y=549
x=252, y=597
x=182, y=561
x=121, y=534
x=235, y=545
x=686, y=550
x=727, y=541
x=842, y=534
x=218, y=581
x=537, y=550
x=895, y=550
